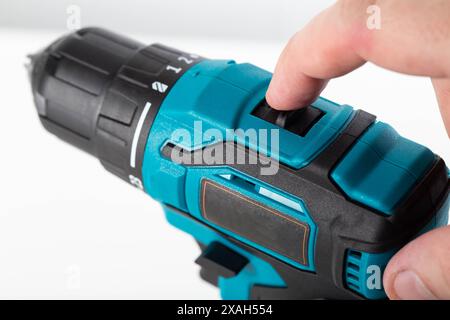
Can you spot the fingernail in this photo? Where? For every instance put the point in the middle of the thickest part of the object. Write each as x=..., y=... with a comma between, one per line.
x=409, y=286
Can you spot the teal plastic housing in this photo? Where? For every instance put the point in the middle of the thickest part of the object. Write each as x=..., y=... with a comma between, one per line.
x=381, y=168
x=222, y=95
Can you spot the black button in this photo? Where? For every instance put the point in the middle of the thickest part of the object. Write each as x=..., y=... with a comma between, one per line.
x=220, y=260
x=297, y=121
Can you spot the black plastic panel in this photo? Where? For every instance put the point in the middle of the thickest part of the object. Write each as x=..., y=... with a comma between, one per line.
x=255, y=221
x=298, y=121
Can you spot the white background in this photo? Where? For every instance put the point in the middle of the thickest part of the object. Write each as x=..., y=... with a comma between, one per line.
x=69, y=229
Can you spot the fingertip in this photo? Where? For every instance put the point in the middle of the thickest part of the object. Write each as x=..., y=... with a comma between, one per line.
x=278, y=100
x=294, y=96
x=273, y=98
x=281, y=94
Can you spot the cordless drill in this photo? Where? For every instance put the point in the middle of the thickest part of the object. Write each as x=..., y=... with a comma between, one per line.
x=305, y=204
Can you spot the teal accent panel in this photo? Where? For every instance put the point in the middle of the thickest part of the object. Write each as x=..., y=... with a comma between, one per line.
x=249, y=187
x=382, y=168
x=257, y=271
x=361, y=274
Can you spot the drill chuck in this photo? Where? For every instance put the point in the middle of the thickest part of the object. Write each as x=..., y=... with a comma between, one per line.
x=91, y=89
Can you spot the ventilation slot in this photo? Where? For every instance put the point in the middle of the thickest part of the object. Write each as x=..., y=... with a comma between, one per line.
x=262, y=191
x=352, y=270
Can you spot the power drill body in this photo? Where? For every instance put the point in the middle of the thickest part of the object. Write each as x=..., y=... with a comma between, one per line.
x=308, y=204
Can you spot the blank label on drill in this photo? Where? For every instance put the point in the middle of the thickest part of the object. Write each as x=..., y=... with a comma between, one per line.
x=255, y=221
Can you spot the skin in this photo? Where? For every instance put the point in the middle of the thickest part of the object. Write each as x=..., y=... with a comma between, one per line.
x=414, y=38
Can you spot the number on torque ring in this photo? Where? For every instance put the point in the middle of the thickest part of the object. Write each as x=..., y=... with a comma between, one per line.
x=174, y=69
x=186, y=60
x=136, y=182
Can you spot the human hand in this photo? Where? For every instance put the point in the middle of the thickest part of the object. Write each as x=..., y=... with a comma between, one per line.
x=413, y=38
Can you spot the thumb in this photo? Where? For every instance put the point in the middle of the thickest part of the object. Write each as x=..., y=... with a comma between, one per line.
x=421, y=270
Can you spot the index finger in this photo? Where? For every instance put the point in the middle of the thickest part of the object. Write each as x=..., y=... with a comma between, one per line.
x=413, y=38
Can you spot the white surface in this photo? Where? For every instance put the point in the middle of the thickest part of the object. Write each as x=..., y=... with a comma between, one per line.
x=69, y=229
x=243, y=19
